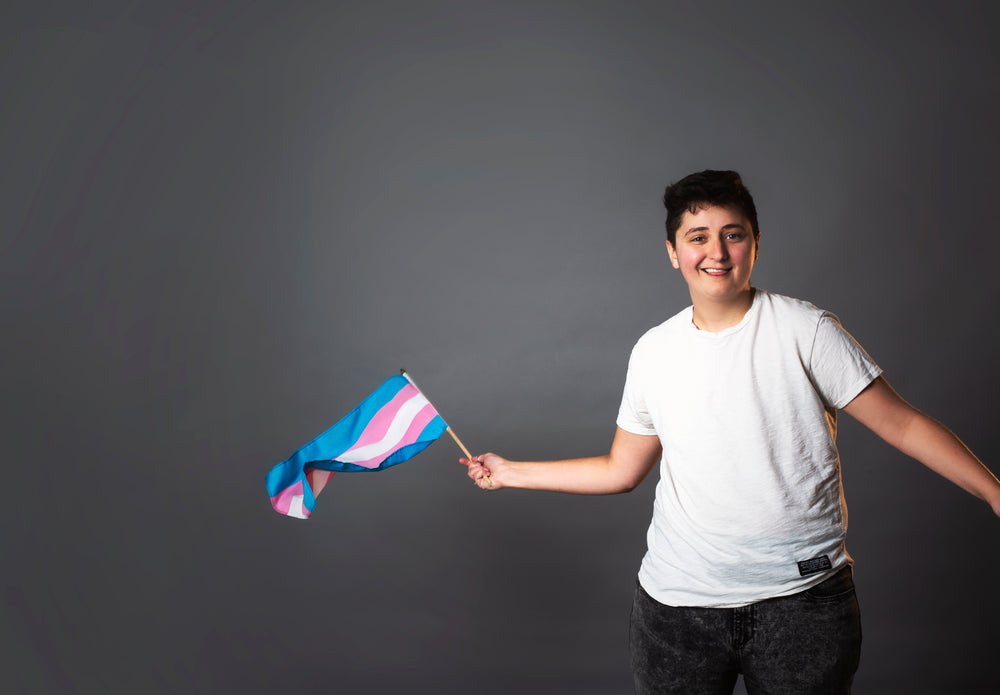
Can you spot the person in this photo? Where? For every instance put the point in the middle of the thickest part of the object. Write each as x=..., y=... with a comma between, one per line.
x=736, y=396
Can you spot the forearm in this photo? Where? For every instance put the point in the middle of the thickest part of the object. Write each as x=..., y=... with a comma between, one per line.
x=631, y=458
x=594, y=475
x=938, y=448
x=886, y=414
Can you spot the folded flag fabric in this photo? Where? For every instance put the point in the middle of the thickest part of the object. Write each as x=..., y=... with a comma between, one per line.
x=393, y=424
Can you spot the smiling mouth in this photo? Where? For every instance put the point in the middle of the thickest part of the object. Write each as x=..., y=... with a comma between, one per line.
x=717, y=272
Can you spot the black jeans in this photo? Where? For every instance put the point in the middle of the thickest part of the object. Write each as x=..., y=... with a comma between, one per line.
x=808, y=642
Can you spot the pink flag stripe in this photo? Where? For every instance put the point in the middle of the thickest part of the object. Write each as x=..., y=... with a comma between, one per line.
x=405, y=430
x=382, y=420
x=386, y=429
x=289, y=502
x=318, y=478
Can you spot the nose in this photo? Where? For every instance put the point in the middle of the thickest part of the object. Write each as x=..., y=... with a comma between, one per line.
x=718, y=250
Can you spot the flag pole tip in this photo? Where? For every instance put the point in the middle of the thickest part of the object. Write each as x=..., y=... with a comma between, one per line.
x=402, y=370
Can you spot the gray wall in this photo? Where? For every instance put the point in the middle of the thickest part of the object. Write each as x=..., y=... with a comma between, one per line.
x=223, y=223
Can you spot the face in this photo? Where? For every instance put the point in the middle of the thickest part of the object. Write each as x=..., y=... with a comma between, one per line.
x=715, y=251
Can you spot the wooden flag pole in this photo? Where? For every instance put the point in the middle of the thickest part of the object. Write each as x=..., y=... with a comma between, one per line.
x=459, y=442
x=449, y=430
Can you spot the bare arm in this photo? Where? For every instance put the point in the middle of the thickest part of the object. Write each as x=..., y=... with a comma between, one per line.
x=884, y=412
x=631, y=458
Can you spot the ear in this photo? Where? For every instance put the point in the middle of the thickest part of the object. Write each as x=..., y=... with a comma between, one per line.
x=672, y=253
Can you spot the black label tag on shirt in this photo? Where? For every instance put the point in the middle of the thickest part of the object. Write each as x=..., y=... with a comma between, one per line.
x=817, y=564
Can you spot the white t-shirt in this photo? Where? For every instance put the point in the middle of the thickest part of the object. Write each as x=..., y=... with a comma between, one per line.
x=749, y=504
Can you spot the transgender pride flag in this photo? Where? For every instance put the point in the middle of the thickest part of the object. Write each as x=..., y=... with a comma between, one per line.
x=390, y=426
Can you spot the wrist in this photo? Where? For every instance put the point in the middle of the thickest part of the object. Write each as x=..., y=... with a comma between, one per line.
x=512, y=474
x=993, y=499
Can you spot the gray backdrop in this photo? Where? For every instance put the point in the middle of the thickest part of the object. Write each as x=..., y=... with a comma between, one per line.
x=222, y=224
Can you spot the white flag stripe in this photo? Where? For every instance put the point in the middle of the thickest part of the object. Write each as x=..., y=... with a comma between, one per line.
x=296, y=508
x=400, y=423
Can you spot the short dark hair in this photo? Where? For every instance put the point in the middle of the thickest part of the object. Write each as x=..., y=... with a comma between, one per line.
x=707, y=188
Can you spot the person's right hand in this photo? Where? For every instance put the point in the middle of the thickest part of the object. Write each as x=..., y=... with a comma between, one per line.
x=486, y=470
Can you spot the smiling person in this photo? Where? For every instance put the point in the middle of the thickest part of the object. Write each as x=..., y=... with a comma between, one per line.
x=736, y=396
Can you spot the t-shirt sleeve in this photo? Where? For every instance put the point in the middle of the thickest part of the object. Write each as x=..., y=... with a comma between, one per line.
x=840, y=367
x=633, y=415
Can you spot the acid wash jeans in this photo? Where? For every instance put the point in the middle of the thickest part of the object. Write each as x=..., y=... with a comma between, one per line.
x=805, y=643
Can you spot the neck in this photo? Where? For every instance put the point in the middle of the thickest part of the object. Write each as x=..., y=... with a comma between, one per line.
x=714, y=316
